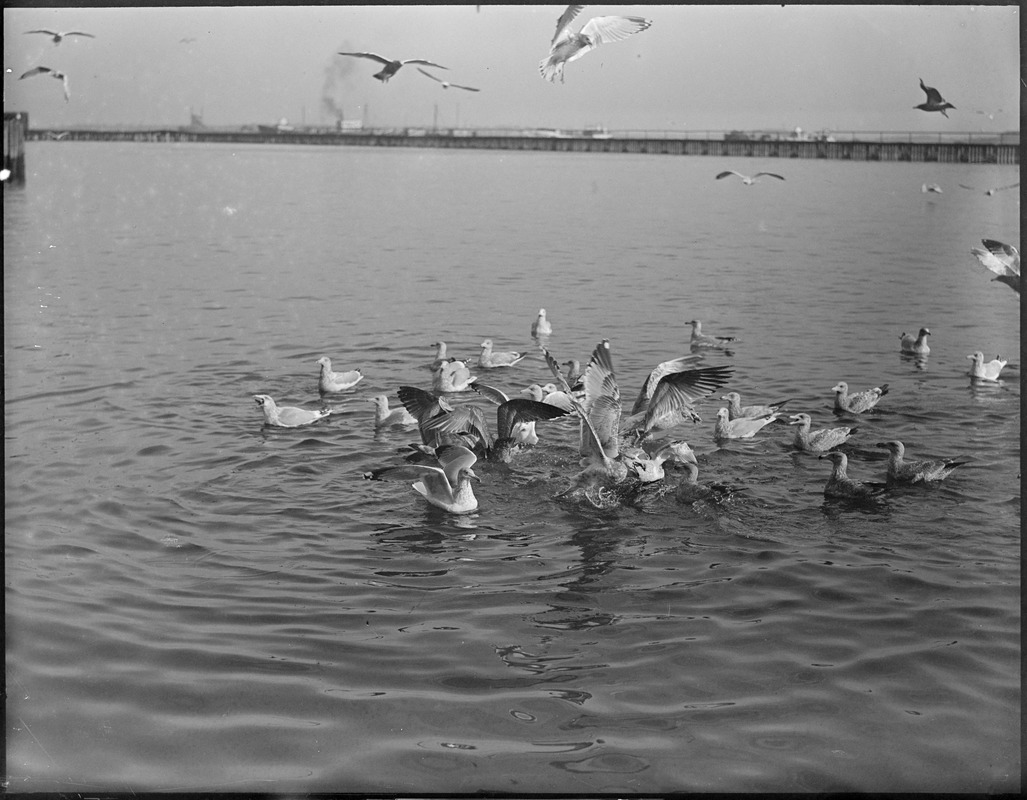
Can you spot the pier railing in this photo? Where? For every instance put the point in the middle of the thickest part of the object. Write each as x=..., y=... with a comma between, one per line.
x=966, y=147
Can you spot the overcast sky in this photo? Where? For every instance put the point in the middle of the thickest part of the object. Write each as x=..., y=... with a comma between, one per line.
x=697, y=68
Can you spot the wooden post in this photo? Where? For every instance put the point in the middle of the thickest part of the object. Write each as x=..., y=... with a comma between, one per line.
x=16, y=125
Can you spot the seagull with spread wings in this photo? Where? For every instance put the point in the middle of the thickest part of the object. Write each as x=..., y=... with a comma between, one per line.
x=569, y=46
x=934, y=100
x=58, y=36
x=392, y=66
x=1002, y=259
x=746, y=179
x=53, y=73
x=447, y=84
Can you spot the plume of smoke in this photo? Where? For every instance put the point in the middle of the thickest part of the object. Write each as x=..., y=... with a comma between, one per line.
x=336, y=77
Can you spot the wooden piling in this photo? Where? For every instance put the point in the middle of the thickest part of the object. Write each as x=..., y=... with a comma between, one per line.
x=16, y=126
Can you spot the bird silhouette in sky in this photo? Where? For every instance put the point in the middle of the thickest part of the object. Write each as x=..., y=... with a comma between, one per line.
x=447, y=84
x=934, y=100
x=391, y=66
x=53, y=73
x=57, y=36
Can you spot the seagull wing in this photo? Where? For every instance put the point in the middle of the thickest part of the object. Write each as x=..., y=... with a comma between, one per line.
x=1003, y=188
x=79, y=33
x=603, y=30
x=554, y=367
x=1006, y=253
x=680, y=390
x=564, y=21
x=769, y=175
x=36, y=71
x=422, y=61
x=521, y=409
x=468, y=88
x=453, y=458
x=662, y=369
x=598, y=377
x=729, y=173
x=421, y=404
x=424, y=72
x=44, y=30
x=933, y=95
x=67, y=88
x=497, y=396
x=372, y=56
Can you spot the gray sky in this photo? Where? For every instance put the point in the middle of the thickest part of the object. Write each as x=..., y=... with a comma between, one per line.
x=697, y=68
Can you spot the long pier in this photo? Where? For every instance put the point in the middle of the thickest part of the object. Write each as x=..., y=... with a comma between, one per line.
x=988, y=150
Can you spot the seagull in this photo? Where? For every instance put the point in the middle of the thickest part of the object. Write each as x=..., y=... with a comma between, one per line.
x=740, y=428
x=991, y=191
x=747, y=180
x=573, y=372
x=915, y=344
x=287, y=416
x=53, y=73
x=931, y=187
x=541, y=325
x=841, y=487
x=649, y=470
x=489, y=359
x=700, y=340
x=447, y=486
x=516, y=417
x=391, y=67
x=818, y=441
x=447, y=84
x=901, y=471
x=329, y=381
x=567, y=46
x=985, y=372
x=934, y=101
x=735, y=409
x=1002, y=259
x=57, y=37
x=550, y=394
x=384, y=418
x=859, y=402
x=452, y=376
x=691, y=491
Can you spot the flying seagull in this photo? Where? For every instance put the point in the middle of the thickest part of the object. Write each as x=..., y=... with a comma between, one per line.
x=53, y=73
x=991, y=191
x=1002, y=259
x=391, y=67
x=746, y=179
x=934, y=101
x=58, y=36
x=447, y=84
x=567, y=46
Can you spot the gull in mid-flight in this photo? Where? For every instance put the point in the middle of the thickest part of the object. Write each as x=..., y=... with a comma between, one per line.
x=991, y=191
x=53, y=73
x=391, y=66
x=57, y=36
x=447, y=84
x=567, y=46
x=934, y=100
x=749, y=181
x=1002, y=259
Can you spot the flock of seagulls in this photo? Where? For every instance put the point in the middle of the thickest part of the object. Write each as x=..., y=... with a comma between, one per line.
x=627, y=450
x=57, y=37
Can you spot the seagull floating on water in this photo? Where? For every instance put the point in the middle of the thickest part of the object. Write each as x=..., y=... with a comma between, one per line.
x=915, y=344
x=691, y=491
x=700, y=340
x=985, y=371
x=740, y=428
x=934, y=100
x=392, y=66
x=991, y=191
x=749, y=180
x=447, y=486
x=386, y=418
x=541, y=326
x=447, y=84
x=1002, y=259
x=550, y=394
x=901, y=471
x=53, y=73
x=57, y=36
x=568, y=46
x=287, y=416
x=841, y=487
x=329, y=381
x=736, y=410
x=818, y=441
x=859, y=402
x=491, y=359
x=452, y=376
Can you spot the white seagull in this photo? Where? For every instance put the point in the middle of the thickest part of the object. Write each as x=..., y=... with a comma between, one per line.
x=329, y=381
x=1002, y=259
x=58, y=36
x=915, y=344
x=287, y=416
x=53, y=73
x=490, y=359
x=818, y=441
x=859, y=402
x=385, y=418
x=452, y=376
x=746, y=179
x=568, y=46
x=735, y=408
x=700, y=340
x=391, y=66
x=447, y=486
x=447, y=84
x=985, y=371
x=741, y=427
x=991, y=191
x=541, y=326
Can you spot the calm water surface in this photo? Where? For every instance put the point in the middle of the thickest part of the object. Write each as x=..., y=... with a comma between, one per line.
x=195, y=602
